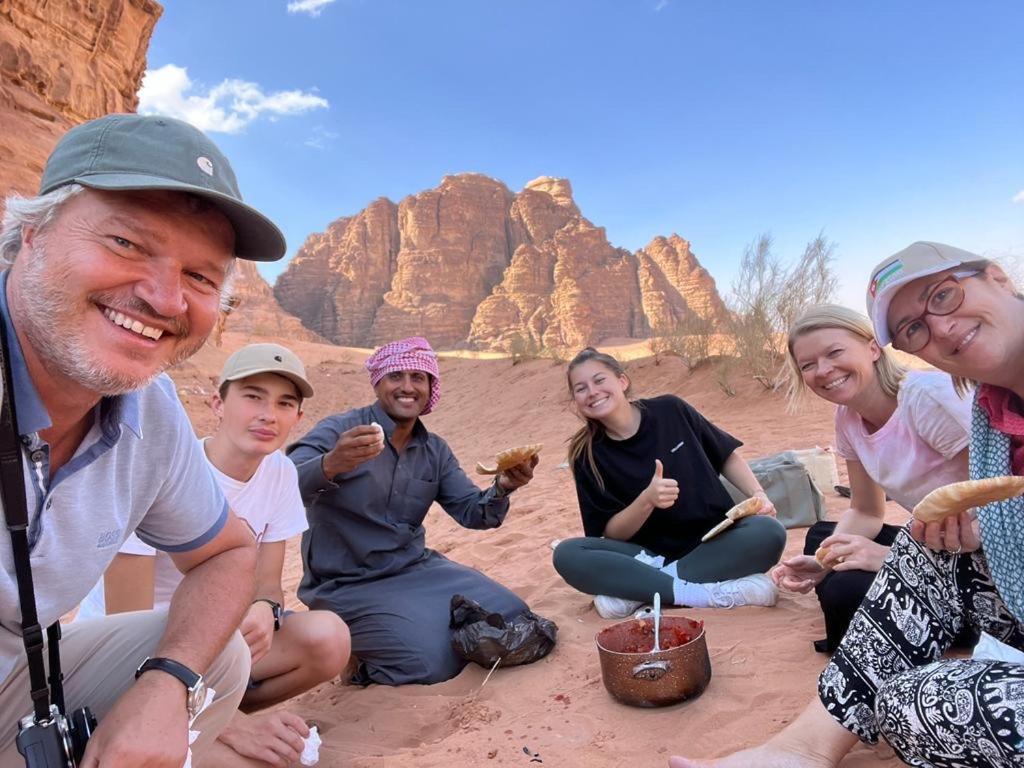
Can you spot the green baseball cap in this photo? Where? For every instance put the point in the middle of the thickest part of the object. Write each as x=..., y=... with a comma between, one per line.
x=140, y=152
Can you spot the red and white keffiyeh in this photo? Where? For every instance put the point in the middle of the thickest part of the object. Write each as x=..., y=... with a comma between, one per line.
x=412, y=354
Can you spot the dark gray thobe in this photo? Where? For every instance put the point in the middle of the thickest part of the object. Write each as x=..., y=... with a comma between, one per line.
x=364, y=553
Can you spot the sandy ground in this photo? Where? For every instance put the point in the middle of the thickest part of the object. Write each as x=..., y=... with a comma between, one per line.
x=763, y=665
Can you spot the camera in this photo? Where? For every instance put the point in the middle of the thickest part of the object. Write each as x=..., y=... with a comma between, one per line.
x=58, y=742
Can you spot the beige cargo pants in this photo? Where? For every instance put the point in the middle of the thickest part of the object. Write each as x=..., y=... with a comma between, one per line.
x=99, y=658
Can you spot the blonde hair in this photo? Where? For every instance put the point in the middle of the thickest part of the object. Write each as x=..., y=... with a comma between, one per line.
x=888, y=370
x=582, y=442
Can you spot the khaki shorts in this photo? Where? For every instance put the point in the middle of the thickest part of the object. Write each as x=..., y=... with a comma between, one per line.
x=99, y=658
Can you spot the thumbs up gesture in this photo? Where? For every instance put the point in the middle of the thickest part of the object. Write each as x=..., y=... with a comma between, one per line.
x=663, y=491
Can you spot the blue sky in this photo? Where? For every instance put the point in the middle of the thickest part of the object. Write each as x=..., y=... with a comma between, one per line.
x=878, y=122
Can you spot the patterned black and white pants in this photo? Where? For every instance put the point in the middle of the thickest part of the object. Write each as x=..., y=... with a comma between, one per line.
x=886, y=679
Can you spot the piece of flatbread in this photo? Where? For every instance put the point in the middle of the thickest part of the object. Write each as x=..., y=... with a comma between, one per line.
x=820, y=556
x=745, y=508
x=959, y=497
x=510, y=458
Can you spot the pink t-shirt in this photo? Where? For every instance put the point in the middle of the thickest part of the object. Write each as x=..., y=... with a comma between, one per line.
x=911, y=454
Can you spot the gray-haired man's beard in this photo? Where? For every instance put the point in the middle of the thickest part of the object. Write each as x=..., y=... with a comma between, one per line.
x=48, y=307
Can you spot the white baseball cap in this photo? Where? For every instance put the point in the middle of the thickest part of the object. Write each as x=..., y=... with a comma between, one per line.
x=919, y=259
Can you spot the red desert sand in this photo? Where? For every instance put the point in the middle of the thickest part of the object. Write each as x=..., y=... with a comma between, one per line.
x=764, y=669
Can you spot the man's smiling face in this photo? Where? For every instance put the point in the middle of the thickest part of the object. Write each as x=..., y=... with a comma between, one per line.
x=404, y=394
x=121, y=285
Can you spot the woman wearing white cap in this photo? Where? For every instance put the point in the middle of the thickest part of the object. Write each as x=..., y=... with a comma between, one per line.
x=963, y=315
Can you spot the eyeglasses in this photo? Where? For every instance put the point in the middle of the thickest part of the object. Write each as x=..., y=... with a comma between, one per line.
x=944, y=298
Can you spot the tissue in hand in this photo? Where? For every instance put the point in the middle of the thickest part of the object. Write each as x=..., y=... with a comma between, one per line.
x=311, y=751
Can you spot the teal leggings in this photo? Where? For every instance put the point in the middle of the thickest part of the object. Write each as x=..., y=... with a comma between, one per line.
x=599, y=566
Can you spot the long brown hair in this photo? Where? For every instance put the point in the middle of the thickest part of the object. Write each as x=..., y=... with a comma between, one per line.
x=582, y=442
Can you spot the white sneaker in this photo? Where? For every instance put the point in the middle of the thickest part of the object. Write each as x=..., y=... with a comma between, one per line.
x=615, y=607
x=756, y=589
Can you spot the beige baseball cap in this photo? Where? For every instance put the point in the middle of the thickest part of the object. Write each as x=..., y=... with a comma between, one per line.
x=919, y=259
x=266, y=358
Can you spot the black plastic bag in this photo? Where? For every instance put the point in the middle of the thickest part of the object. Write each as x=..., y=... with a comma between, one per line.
x=486, y=637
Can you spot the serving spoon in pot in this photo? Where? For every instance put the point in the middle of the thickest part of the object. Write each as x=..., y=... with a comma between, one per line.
x=657, y=621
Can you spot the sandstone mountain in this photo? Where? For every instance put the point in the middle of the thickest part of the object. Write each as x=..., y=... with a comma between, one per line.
x=62, y=64
x=255, y=311
x=472, y=264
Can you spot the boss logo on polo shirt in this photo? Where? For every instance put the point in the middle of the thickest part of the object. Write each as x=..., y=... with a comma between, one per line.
x=108, y=538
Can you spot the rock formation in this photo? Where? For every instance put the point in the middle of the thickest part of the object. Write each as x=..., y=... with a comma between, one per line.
x=62, y=63
x=471, y=263
x=255, y=312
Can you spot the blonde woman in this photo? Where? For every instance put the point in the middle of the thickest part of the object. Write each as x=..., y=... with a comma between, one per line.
x=901, y=433
x=647, y=480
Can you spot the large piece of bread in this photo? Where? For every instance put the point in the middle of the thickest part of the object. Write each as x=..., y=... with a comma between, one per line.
x=510, y=458
x=741, y=510
x=959, y=497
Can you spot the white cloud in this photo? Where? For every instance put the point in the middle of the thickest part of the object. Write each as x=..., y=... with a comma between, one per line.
x=225, y=108
x=661, y=5
x=320, y=138
x=1019, y=197
x=313, y=7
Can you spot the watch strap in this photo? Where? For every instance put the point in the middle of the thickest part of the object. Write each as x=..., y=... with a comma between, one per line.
x=174, y=668
x=275, y=607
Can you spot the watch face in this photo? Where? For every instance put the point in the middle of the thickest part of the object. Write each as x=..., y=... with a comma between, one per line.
x=196, y=698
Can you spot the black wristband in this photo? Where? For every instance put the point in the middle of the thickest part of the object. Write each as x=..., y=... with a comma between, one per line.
x=194, y=684
x=275, y=607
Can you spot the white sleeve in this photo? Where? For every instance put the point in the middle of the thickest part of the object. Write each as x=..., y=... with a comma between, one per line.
x=939, y=415
x=287, y=515
x=133, y=545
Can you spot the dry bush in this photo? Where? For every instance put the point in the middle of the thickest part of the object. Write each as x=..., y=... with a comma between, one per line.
x=690, y=339
x=723, y=375
x=693, y=337
x=661, y=345
x=768, y=295
x=523, y=347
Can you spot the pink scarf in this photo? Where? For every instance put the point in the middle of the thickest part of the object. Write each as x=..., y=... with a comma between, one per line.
x=1005, y=414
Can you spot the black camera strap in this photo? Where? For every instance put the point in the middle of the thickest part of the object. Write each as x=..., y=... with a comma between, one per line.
x=12, y=496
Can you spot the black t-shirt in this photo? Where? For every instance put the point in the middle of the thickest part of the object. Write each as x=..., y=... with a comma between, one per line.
x=692, y=451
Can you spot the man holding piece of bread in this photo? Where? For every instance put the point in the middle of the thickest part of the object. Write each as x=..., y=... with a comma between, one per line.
x=368, y=478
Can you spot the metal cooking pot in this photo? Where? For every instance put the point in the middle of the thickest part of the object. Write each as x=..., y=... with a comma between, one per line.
x=653, y=679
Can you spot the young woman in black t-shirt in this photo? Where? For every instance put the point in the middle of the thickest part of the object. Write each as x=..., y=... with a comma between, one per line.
x=647, y=480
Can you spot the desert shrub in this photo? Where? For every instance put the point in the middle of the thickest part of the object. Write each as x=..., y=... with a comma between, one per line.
x=768, y=295
x=522, y=347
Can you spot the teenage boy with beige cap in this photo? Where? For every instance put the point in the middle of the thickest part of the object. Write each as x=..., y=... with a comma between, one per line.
x=115, y=272
x=258, y=402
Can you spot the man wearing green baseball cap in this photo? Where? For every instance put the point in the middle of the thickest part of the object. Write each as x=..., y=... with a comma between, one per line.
x=114, y=273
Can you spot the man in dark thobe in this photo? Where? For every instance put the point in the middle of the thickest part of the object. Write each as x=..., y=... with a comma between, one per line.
x=368, y=478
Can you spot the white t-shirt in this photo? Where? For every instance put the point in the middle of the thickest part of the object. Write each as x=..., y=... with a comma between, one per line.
x=269, y=502
x=911, y=453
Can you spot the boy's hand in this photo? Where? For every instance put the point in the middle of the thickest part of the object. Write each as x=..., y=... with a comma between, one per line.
x=257, y=629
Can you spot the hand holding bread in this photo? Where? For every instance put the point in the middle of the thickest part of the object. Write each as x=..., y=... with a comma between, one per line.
x=957, y=498
x=509, y=458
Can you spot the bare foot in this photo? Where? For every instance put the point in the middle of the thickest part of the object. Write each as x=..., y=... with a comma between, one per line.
x=764, y=756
